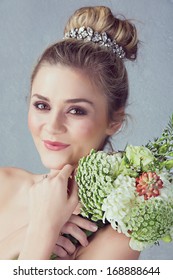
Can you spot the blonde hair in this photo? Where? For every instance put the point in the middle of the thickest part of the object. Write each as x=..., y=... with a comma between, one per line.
x=101, y=19
x=103, y=67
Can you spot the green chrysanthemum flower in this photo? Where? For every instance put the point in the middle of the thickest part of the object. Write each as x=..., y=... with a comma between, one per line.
x=109, y=190
x=150, y=221
x=95, y=175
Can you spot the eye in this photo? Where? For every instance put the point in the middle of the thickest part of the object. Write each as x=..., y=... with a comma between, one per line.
x=77, y=111
x=41, y=106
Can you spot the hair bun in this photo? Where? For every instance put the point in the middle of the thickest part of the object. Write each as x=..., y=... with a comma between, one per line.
x=101, y=19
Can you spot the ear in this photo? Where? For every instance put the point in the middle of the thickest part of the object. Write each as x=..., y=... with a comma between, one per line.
x=113, y=128
x=116, y=122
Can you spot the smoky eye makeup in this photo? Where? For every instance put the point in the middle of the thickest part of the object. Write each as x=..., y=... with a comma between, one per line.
x=40, y=105
x=77, y=111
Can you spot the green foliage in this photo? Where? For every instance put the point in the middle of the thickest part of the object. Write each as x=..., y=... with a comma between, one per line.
x=162, y=147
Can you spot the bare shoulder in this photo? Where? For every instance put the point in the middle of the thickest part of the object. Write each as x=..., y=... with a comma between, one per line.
x=13, y=180
x=8, y=174
x=107, y=244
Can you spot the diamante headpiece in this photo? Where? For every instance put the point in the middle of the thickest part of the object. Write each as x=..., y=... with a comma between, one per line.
x=102, y=39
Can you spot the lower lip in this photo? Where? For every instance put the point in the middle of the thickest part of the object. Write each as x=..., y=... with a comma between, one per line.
x=55, y=147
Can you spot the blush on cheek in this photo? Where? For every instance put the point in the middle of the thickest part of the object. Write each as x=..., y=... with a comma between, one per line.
x=85, y=130
x=91, y=136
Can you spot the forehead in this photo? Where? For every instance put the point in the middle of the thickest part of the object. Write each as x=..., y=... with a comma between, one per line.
x=66, y=79
x=58, y=73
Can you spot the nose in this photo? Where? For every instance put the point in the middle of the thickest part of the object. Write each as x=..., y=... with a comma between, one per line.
x=55, y=123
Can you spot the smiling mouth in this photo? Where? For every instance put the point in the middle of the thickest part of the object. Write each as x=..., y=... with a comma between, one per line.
x=55, y=146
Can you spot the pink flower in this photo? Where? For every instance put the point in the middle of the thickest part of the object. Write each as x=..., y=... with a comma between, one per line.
x=148, y=185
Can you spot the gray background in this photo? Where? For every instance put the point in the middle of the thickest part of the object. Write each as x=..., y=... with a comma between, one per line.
x=29, y=26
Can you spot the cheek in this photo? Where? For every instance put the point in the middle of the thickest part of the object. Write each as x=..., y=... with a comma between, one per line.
x=84, y=130
x=88, y=131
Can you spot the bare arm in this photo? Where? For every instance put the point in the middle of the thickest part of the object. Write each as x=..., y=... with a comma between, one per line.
x=108, y=244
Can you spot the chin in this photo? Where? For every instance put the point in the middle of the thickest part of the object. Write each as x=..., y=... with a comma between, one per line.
x=56, y=165
x=53, y=166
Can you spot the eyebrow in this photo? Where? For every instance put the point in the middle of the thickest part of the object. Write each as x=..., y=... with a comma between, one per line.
x=40, y=97
x=73, y=100
x=78, y=100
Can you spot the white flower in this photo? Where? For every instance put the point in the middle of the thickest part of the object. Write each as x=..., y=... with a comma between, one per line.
x=138, y=155
x=119, y=202
x=138, y=245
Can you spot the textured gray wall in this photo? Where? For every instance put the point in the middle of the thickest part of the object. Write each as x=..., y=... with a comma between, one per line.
x=28, y=26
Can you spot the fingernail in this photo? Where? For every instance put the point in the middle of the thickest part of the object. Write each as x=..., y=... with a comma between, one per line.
x=94, y=227
x=86, y=243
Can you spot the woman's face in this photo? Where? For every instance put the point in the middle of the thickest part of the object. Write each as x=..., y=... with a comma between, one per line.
x=67, y=115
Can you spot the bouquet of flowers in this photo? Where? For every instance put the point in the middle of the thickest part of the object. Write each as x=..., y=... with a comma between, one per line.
x=132, y=190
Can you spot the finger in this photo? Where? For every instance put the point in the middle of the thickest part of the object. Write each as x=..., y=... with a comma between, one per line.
x=63, y=177
x=77, y=210
x=65, y=172
x=66, y=244
x=83, y=223
x=76, y=232
x=59, y=251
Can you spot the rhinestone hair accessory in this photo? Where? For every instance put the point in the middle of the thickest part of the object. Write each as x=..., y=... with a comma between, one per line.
x=102, y=39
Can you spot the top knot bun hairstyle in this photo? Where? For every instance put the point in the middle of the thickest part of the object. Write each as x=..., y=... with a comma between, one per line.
x=104, y=68
x=101, y=19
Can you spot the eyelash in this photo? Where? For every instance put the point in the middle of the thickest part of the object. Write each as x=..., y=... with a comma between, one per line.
x=78, y=110
x=36, y=105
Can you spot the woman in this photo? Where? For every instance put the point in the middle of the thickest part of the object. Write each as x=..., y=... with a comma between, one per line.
x=79, y=90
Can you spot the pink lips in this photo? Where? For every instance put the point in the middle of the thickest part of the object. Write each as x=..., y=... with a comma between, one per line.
x=55, y=146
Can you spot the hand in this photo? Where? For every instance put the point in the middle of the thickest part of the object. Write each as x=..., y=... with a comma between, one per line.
x=52, y=202
x=52, y=196
x=73, y=227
